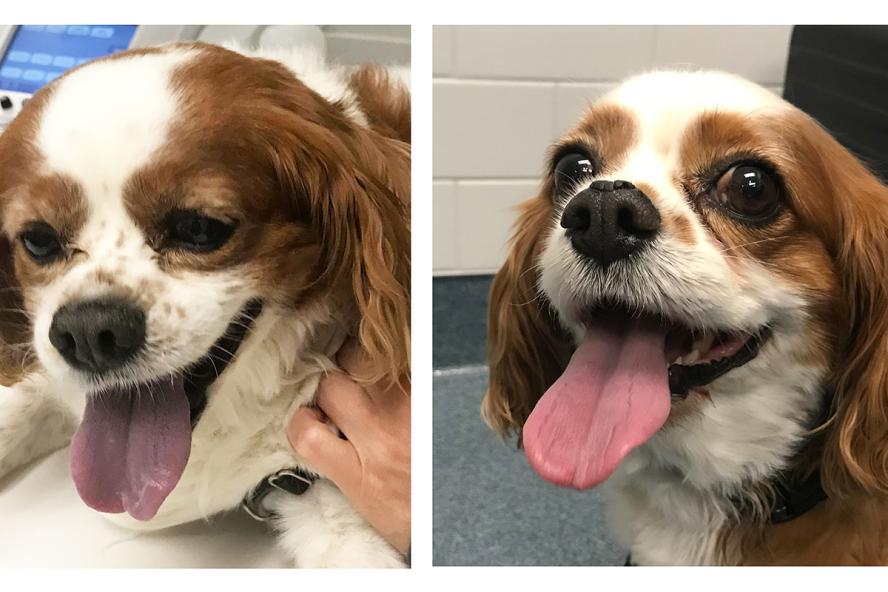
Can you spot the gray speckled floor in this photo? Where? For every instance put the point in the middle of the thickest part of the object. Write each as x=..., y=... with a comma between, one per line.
x=490, y=508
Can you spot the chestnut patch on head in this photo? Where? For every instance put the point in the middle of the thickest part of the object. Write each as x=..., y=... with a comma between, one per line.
x=606, y=133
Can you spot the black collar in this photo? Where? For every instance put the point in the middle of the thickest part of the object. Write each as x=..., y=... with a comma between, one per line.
x=795, y=497
x=294, y=480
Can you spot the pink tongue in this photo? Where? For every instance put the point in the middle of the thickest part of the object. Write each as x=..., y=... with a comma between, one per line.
x=613, y=396
x=132, y=447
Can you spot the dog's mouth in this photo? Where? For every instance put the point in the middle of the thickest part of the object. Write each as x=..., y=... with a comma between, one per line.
x=697, y=357
x=134, y=442
x=618, y=389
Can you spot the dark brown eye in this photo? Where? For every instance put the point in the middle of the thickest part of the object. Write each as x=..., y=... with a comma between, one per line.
x=571, y=168
x=41, y=242
x=747, y=192
x=190, y=230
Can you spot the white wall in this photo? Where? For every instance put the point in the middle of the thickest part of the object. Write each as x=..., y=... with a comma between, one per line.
x=503, y=94
x=352, y=44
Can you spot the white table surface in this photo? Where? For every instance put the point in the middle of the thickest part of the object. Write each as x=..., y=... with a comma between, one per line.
x=43, y=523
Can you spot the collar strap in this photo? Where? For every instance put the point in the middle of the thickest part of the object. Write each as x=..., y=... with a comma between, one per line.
x=795, y=499
x=293, y=480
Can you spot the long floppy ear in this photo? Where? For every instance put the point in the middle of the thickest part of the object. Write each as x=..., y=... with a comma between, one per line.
x=526, y=350
x=852, y=218
x=354, y=190
x=371, y=224
x=15, y=354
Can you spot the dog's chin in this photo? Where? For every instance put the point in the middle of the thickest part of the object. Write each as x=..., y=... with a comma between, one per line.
x=696, y=355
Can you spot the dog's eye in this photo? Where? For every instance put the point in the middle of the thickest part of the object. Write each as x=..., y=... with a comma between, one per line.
x=191, y=230
x=41, y=242
x=747, y=192
x=571, y=168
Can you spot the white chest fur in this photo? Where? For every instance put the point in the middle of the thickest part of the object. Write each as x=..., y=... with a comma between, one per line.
x=671, y=497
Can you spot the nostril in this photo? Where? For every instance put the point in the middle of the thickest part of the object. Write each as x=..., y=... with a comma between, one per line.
x=107, y=342
x=576, y=218
x=67, y=342
x=636, y=223
x=626, y=220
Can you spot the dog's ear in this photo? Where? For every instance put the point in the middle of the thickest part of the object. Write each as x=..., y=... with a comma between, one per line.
x=526, y=349
x=848, y=206
x=352, y=186
x=15, y=353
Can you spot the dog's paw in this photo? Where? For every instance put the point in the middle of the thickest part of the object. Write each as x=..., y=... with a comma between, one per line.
x=321, y=529
x=349, y=553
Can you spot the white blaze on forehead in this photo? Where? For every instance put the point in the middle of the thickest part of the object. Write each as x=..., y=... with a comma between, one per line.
x=665, y=103
x=104, y=121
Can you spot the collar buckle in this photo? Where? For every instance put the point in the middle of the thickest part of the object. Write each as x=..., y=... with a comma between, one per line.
x=293, y=480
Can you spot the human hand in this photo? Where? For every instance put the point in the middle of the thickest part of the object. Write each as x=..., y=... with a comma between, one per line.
x=371, y=467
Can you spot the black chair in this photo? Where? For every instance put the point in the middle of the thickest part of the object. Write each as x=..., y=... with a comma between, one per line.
x=839, y=75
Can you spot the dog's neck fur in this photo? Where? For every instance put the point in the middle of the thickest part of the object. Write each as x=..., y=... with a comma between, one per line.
x=672, y=499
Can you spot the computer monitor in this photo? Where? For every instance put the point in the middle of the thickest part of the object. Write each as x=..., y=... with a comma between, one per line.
x=38, y=54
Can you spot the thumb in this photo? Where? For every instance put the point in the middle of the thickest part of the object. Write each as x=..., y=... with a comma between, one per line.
x=312, y=439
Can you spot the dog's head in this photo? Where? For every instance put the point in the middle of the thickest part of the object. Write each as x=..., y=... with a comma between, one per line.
x=695, y=238
x=154, y=203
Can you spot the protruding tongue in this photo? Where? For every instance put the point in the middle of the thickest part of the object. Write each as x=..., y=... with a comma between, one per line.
x=132, y=448
x=613, y=396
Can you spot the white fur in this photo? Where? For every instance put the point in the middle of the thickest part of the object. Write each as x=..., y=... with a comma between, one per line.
x=670, y=496
x=102, y=123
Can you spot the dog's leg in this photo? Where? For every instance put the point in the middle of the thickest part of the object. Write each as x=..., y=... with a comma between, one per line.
x=32, y=423
x=321, y=529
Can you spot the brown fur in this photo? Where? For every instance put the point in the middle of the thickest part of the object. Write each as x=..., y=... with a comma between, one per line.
x=608, y=131
x=526, y=351
x=387, y=106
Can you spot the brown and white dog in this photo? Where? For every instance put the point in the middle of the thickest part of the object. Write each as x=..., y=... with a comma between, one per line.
x=695, y=310
x=188, y=235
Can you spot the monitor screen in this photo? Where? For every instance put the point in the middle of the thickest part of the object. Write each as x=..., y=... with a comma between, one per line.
x=39, y=53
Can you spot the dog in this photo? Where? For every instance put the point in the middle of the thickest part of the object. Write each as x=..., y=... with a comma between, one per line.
x=694, y=311
x=189, y=233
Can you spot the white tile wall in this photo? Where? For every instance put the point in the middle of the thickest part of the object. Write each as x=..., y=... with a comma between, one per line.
x=502, y=94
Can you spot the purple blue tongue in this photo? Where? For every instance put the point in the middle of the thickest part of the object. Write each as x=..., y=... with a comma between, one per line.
x=132, y=448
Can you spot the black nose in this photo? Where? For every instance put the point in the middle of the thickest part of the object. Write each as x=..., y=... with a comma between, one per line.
x=610, y=220
x=98, y=335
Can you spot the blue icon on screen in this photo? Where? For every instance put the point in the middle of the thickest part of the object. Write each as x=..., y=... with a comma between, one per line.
x=57, y=29
x=10, y=72
x=41, y=59
x=19, y=56
x=63, y=61
x=102, y=32
x=33, y=75
x=79, y=30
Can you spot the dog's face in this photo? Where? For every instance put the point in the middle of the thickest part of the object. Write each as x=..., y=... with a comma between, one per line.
x=153, y=205
x=696, y=240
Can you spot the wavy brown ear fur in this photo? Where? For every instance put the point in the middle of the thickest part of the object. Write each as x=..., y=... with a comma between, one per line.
x=526, y=350
x=357, y=198
x=15, y=358
x=848, y=205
